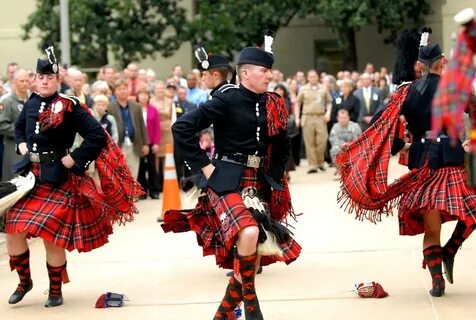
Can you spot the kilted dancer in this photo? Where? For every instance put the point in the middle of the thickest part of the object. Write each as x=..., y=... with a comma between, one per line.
x=65, y=207
x=246, y=195
x=434, y=191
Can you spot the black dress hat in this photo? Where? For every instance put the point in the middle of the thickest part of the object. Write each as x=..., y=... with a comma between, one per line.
x=49, y=65
x=256, y=56
x=214, y=61
x=430, y=53
x=43, y=66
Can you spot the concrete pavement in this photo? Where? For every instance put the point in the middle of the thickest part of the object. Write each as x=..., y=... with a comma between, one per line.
x=165, y=276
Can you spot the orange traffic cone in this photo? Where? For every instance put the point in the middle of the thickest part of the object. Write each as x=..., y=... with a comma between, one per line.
x=171, y=196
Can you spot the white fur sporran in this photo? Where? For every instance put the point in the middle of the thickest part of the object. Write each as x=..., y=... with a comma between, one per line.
x=251, y=200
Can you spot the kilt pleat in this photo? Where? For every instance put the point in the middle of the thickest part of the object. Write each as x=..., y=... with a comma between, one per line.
x=62, y=215
x=446, y=190
x=217, y=220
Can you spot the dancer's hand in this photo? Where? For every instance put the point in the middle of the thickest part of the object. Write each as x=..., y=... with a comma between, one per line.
x=466, y=146
x=68, y=161
x=208, y=170
x=22, y=148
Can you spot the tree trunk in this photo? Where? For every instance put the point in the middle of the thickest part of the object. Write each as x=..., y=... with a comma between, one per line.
x=102, y=56
x=349, y=58
x=86, y=61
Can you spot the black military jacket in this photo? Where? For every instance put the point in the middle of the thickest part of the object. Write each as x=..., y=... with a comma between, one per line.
x=223, y=83
x=60, y=138
x=417, y=112
x=239, y=122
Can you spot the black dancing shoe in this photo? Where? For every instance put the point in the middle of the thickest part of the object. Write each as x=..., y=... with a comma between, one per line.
x=18, y=295
x=312, y=171
x=448, y=263
x=437, y=291
x=54, y=301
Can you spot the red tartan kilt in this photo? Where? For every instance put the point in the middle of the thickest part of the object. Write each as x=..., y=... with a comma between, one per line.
x=217, y=220
x=446, y=190
x=61, y=215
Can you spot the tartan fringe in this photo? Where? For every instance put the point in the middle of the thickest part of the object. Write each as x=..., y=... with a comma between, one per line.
x=374, y=215
x=363, y=165
x=118, y=184
x=361, y=210
x=281, y=205
x=370, y=209
x=130, y=194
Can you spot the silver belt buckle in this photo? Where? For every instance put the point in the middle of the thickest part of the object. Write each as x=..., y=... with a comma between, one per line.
x=253, y=161
x=34, y=157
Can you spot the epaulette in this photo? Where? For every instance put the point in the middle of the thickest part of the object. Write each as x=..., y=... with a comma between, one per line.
x=72, y=98
x=227, y=87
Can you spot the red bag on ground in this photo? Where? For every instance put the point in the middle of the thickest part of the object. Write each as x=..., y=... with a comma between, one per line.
x=370, y=290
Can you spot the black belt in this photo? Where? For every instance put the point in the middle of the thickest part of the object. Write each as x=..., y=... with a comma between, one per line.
x=428, y=135
x=46, y=156
x=251, y=161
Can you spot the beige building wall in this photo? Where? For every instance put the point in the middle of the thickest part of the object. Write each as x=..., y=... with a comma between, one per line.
x=449, y=26
x=12, y=47
x=295, y=45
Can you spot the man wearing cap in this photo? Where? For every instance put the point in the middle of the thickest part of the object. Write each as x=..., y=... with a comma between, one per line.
x=244, y=183
x=445, y=195
x=215, y=72
x=435, y=190
x=214, y=69
x=64, y=208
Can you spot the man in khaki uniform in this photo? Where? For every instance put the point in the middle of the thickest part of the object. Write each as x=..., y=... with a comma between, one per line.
x=315, y=102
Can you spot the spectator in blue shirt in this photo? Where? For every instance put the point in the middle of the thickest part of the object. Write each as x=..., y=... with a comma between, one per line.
x=195, y=95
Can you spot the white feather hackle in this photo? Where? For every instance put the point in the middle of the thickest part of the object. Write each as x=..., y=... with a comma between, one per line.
x=201, y=54
x=424, y=39
x=268, y=43
x=50, y=53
